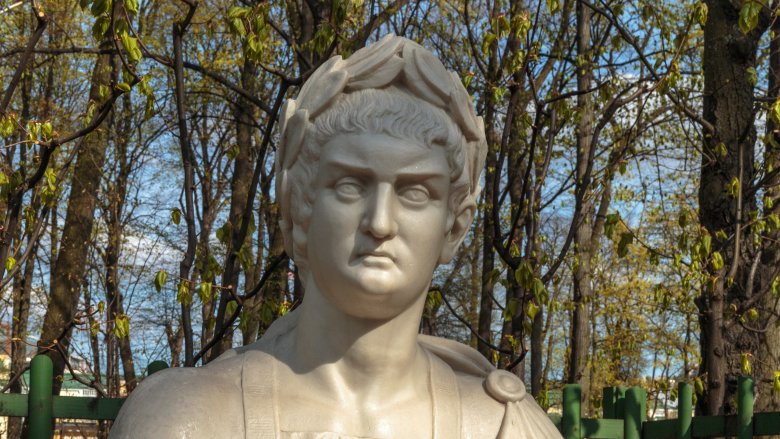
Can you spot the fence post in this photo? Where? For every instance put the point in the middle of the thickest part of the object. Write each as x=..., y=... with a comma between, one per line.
x=635, y=413
x=156, y=366
x=684, y=410
x=745, y=408
x=608, y=402
x=570, y=420
x=620, y=402
x=39, y=405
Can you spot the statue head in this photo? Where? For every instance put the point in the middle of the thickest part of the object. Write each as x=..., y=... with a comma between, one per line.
x=394, y=87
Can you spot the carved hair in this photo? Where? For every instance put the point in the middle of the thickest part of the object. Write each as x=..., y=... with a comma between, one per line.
x=411, y=96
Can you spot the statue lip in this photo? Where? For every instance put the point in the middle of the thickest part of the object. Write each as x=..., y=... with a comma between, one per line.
x=376, y=255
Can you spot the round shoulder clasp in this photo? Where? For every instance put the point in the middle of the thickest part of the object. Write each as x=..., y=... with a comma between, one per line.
x=504, y=386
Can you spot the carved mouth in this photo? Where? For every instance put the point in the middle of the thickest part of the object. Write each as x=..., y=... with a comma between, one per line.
x=378, y=257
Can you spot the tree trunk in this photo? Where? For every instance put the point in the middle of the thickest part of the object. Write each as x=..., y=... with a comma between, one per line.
x=728, y=107
x=769, y=347
x=488, y=235
x=115, y=226
x=22, y=283
x=22, y=288
x=583, y=249
x=239, y=193
x=70, y=265
x=475, y=283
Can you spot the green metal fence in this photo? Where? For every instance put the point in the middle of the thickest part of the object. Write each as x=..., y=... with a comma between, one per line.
x=624, y=411
x=624, y=417
x=42, y=408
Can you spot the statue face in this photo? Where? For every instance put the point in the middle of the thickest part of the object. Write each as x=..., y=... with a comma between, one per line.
x=379, y=222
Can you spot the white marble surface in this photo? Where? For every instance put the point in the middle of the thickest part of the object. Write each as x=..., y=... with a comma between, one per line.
x=377, y=178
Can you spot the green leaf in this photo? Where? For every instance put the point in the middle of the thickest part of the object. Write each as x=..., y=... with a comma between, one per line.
x=533, y=310
x=745, y=363
x=721, y=150
x=103, y=92
x=10, y=263
x=149, y=107
x=540, y=292
x=183, y=292
x=131, y=6
x=776, y=384
x=752, y=314
x=717, y=261
x=205, y=291
x=487, y=41
x=49, y=192
x=7, y=125
x=100, y=28
x=774, y=219
x=159, y=280
x=553, y=6
x=698, y=385
x=434, y=299
x=467, y=78
x=609, y=224
x=514, y=250
x=223, y=233
x=100, y=7
x=232, y=152
x=176, y=216
x=774, y=112
x=131, y=47
x=524, y=275
x=748, y=16
x=511, y=309
x=626, y=239
x=503, y=24
x=284, y=308
x=733, y=188
x=231, y=308
x=751, y=75
x=122, y=326
x=123, y=86
x=682, y=219
x=51, y=178
x=237, y=26
x=706, y=246
x=701, y=12
x=47, y=130
x=245, y=257
x=238, y=12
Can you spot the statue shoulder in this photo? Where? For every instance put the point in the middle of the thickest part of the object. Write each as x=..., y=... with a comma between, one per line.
x=482, y=414
x=494, y=402
x=497, y=406
x=202, y=402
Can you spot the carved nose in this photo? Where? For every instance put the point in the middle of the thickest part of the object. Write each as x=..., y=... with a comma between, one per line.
x=379, y=220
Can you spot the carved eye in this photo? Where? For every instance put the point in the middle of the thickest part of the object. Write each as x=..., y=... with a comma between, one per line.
x=415, y=195
x=349, y=188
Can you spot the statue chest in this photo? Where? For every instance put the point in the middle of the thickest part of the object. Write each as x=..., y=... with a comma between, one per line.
x=274, y=408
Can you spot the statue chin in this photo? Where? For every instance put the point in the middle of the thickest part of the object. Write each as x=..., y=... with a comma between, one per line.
x=377, y=179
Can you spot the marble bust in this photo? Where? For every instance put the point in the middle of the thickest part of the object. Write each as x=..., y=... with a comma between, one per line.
x=377, y=176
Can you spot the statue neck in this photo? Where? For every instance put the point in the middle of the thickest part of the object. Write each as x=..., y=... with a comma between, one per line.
x=364, y=357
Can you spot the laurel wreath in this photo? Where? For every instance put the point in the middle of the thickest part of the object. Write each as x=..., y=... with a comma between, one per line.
x=376, y=66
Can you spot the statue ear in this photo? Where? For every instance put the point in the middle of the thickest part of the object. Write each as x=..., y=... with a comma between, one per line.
x=459, y=225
